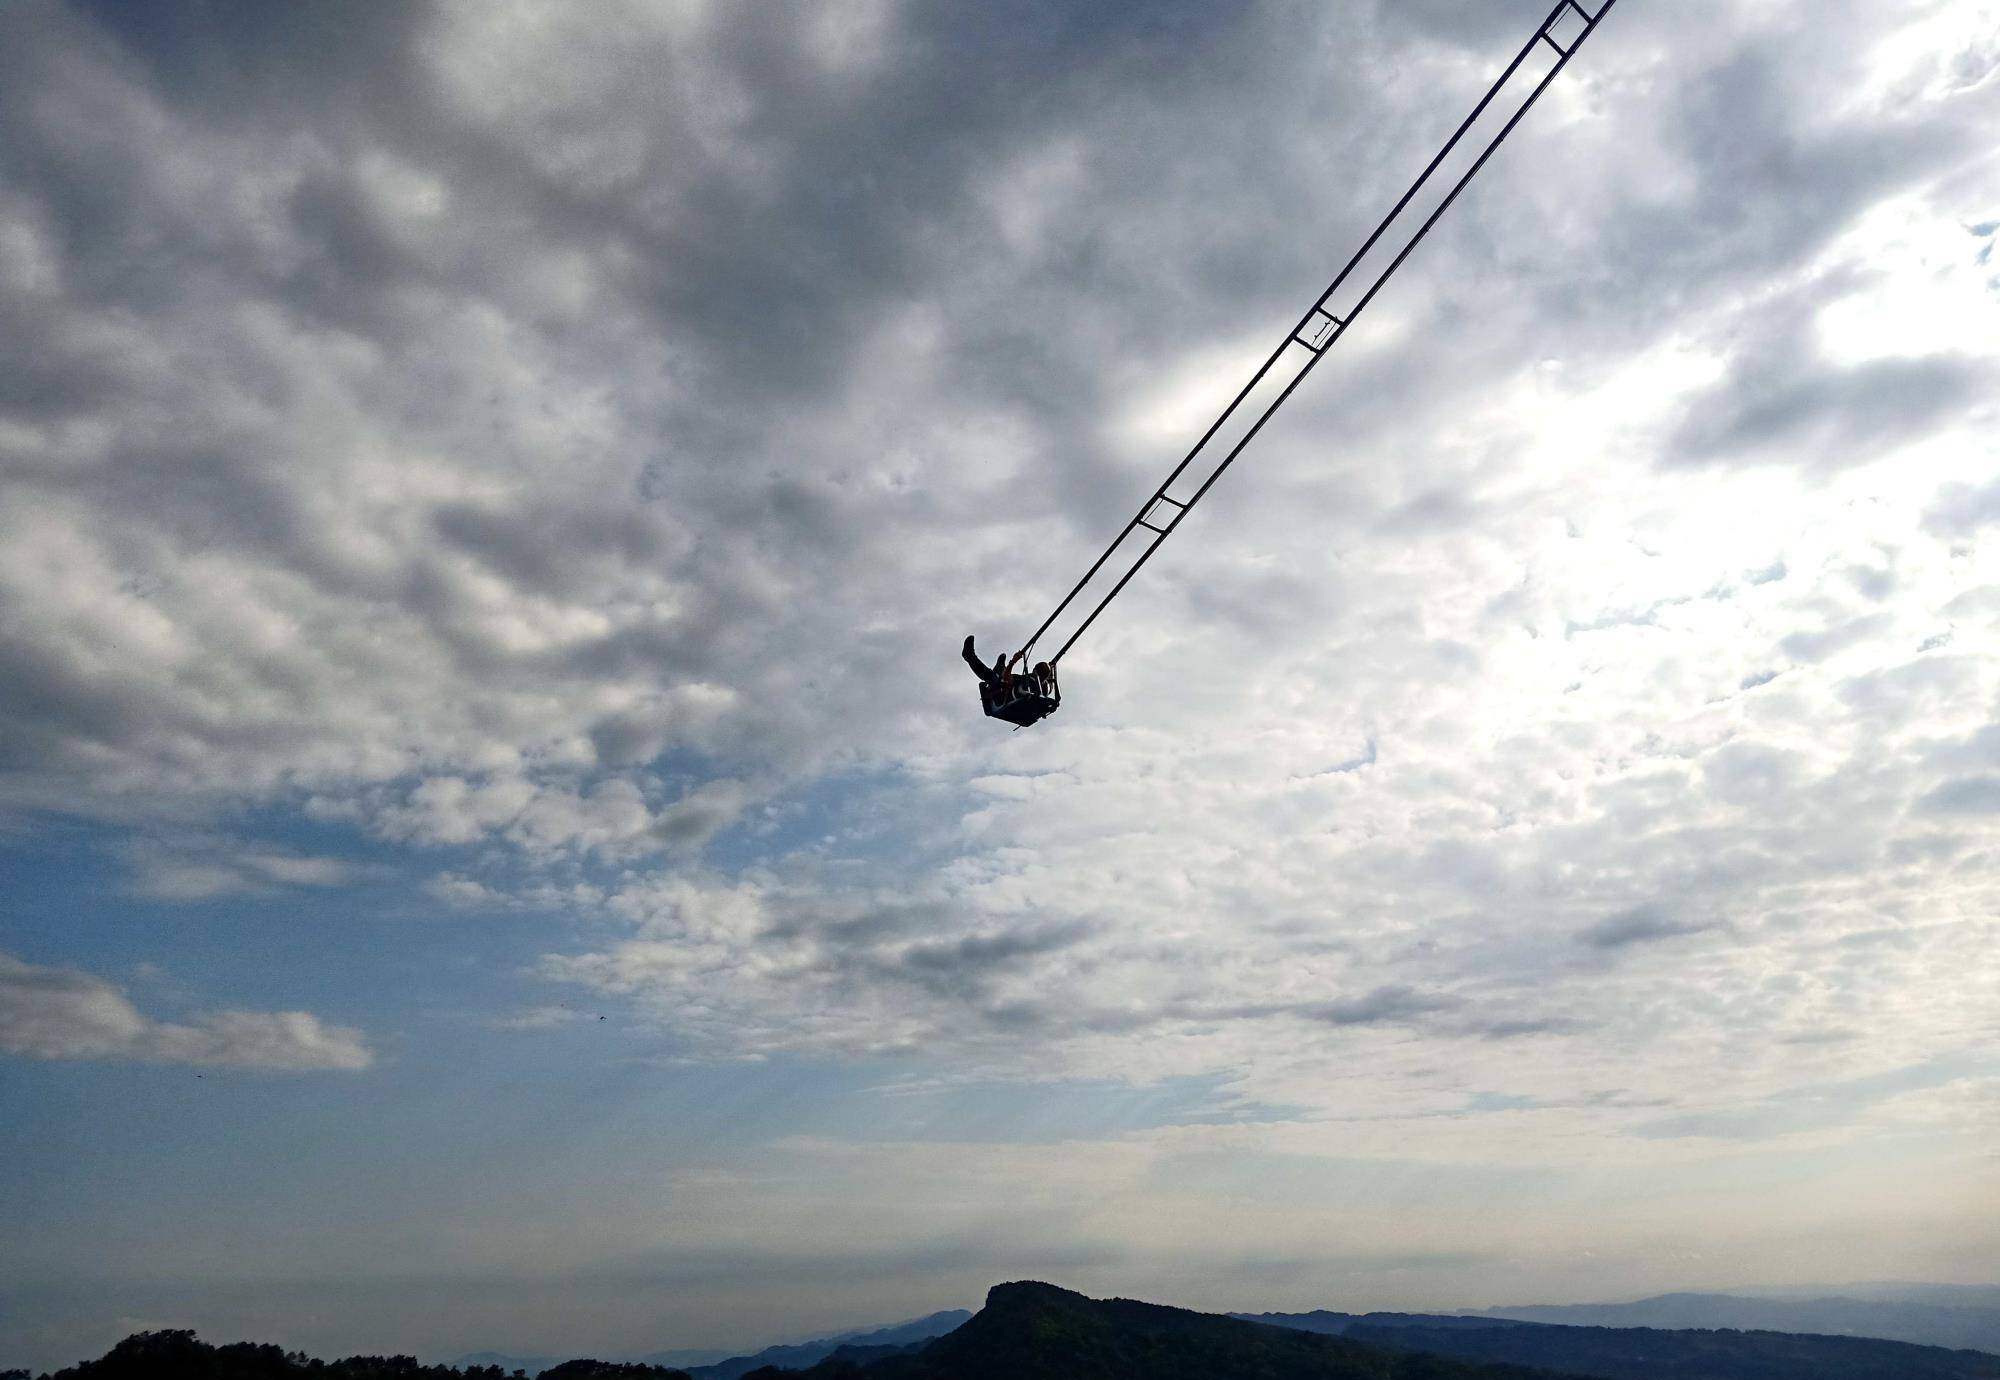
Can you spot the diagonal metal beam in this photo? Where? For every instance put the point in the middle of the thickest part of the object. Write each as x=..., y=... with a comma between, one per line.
x=1322, y=327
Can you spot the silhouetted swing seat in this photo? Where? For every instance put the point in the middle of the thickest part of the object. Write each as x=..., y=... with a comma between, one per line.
x=1026, y=699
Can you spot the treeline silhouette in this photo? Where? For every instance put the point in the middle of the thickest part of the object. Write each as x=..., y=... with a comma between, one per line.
x=179, y=1355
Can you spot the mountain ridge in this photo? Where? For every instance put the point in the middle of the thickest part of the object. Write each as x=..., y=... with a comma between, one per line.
x=1953, y=1316
x=799, y=1355
x=1035, y=1331
x=1952, y=1326
x=1032, y=1330
x=1642, y=1353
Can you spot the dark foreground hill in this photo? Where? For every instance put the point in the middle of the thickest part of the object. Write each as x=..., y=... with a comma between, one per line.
x=1934, y=1315
x=184, y=1356
x=1039, y=1332
x=1637, y=1353
x=1642, y=1353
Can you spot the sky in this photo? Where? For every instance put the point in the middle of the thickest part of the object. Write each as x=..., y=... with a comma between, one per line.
x=500, y=851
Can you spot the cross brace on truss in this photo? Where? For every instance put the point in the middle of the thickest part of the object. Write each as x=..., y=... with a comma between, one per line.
x=1564, y=31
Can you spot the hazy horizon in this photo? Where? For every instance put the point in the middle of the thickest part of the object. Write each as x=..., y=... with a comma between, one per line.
x=751, y=1343
x=500, y=851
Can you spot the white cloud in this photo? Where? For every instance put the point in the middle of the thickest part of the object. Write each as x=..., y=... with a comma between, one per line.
x=62, y=1013
x=1587, y=663
x=179, y=867
x=539, y=1018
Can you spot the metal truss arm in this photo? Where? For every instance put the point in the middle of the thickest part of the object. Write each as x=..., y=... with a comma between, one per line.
x=1325, y=322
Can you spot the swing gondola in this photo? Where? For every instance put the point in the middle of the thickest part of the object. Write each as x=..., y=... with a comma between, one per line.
x=1006, y=691
x=1024, y=698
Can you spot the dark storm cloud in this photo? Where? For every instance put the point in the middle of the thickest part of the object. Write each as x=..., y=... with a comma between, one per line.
x=982, y=952
x=1959, y=510
x=558, y=550
x=1385, y=1004
x=878, y=924
x=235, y=58
x=1780, y=403
x=1484, y=30
x=1782, y=398
x=1980, y=749
x=764, y=276
x=1520, y=1028
x=1640, y=925
x=53, y=703
x=1784, y=166
x=1965, y=795
x=228, y=68
x=962, y=971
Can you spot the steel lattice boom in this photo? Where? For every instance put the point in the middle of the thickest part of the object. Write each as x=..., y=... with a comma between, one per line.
x=1568, y=25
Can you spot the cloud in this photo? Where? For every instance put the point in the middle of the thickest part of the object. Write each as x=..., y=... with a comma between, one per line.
x=1960, y=510
x=1784, y=396
x=180, y=868
x=539, y=1018
x=61, y=1013
x=1776, y=405
x=1745, y=773
x=1963, y=795
x=1793, y=1111
x=1640, y=925
x=1820, y=643
x=575, y=480
x=539, y=466
x=1383, y=1004
x=701, y=814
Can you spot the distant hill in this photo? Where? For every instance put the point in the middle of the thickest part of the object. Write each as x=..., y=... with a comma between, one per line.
x=1636, y=1353
x=1338, y=1324
x=1882, y=1291
x=1030, y=1331
x=1649, y=1354
x=715, y=1363
x=802, y=1354
x=1929, y=1322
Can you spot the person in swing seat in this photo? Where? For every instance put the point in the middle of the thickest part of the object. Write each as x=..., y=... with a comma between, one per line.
x=1020, y=697
x=997, y=675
